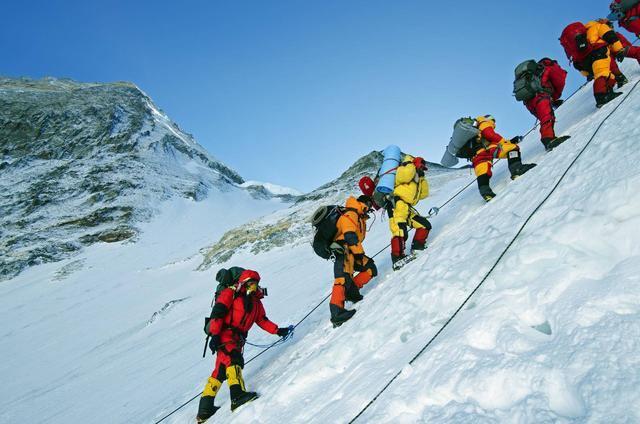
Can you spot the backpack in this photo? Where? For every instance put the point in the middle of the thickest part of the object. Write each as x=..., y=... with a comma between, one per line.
x=227, y=278
x=574, y=40
x=528, y=82
x=464, y=138
x=325, y=220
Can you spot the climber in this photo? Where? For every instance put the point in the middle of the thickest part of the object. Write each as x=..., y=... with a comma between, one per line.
x=627, y=13
x=350, y=257
x=410, y=187
x=545, y=82
x=235, y=311
x=590, y=48
x=489, y=145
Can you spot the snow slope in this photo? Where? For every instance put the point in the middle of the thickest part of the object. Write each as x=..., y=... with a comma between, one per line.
x=552, y=336
x=89, y=339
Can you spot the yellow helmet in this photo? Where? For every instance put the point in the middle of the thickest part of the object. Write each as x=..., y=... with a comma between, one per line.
x=485, y=118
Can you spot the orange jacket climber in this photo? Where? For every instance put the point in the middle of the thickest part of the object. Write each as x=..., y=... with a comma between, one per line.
x=590, y=47
x=349, y=258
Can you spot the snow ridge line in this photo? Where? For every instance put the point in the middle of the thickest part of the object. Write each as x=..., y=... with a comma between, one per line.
x=484, y=279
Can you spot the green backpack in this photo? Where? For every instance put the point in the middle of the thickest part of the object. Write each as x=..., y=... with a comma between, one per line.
x=227, y=278
x=528, y=81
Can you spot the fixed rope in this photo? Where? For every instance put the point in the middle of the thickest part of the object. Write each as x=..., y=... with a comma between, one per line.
x=515, y=237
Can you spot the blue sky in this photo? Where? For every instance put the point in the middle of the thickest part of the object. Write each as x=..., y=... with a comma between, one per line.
x=293, y=92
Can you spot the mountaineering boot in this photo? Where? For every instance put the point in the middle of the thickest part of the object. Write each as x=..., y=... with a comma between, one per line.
x=239, y=396
x=522, y=169
x=397, y=250
x=484, y=188
x=621, y=80
x=351, y=291
x=604, y=98
x=486, y=192
x=420, y=239
x=516, y=167
x=398, y=263
x=339, y=315
x=551, y=143
x=206, y=408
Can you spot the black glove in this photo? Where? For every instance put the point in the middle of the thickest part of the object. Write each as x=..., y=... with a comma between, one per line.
x=284, y=331
x=622, y=54
x=590, y=77
x=215, y=343
x=557, y=103
x=420, y=172
x=517, y=139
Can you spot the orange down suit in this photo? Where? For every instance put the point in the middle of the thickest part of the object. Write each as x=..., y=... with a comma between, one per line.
x=352, y=230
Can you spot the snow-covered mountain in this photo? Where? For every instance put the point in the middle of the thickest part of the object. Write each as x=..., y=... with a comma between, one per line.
x=552, y=336
x=85, y=163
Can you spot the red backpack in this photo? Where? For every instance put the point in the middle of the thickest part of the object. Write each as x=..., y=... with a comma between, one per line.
x=574, y=41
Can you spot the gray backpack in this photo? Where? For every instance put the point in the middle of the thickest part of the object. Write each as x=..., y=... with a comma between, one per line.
x=528, y=81
x=461, y=142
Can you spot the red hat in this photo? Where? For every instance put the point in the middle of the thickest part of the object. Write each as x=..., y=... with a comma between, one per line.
x=367, y=185
x=248, y=275
x=420, y=163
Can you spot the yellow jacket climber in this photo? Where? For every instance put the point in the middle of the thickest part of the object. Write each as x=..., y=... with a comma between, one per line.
x=410, y=187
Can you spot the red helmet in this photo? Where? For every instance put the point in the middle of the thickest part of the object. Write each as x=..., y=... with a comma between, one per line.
x=248, y=282
x=248, y=275
x=367, y=185
x=420, y=163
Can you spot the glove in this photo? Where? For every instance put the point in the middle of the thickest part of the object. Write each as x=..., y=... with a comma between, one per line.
x=517, y=139
x=622, y=54
x=420, y=172
x=284, y=332
x=557, y=103
x=215, y=343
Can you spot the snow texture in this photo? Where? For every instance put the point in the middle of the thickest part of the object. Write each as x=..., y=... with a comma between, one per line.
x=553, y=336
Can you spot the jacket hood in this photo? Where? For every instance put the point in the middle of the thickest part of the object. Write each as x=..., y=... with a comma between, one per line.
x=352, y=203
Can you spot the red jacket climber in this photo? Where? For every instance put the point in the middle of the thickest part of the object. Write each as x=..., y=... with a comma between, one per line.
x=234, y=313
x=542, y=105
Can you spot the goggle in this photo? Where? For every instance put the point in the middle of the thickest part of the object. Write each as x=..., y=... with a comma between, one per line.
x=252, y=286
